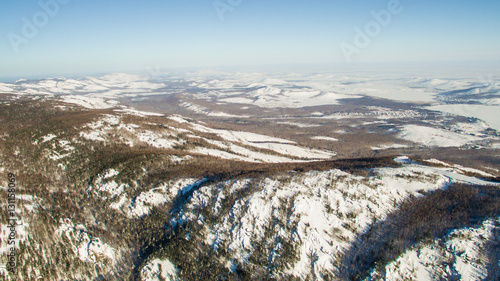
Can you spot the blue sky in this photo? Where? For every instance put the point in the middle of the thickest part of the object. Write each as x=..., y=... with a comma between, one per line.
x=109, y=35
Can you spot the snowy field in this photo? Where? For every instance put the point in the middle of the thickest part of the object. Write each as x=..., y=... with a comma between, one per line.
x=490, y=114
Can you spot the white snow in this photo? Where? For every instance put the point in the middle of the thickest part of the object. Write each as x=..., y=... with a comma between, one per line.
x=429, y=136
x=490, y=114
x=145, y=200
x=156, y=140
x=321, y=203
x=318, y=212
x=273, y=97
x=90, y=102
x=226, y=155
x=177, y=160
x=129, y=133
x=389, y=146
x=94, y=136
x=460, y=256
x=136, y=112
x=117, y=205
x=54, y=155
x=110, y=173
x=231, y=148
x=282, y=146
x=471, y=128
x=436, y=161
x=178, y=119
x=451, y=173
x=392, y=90
x=5, y=88
x=142, y=204
x=48, y=137
x=377, y=112
x=300, y=125
x=463, y=169
x=110, y=86
x=89, y=249
x=403, y=159
x=22, y=231
x=111, y=187
x=206, y=111
x=157, y=270
x=107, y=119
x=324, y=138
x=465, y=179
x=466, y=245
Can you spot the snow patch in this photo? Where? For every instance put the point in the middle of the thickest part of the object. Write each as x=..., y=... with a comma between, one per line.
x=389, y=146
x=434, y=137
x=324, y=138
x=48, y=137
x=157, y=270
x=460, y=256
x=90, y=102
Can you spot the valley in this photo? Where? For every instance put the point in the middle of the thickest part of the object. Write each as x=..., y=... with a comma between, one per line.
x=245, y=176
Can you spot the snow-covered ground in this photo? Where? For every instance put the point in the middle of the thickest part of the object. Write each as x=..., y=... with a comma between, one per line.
x=321, y=213
x=390, y=89
x=377, y=112
x=324, y=138
x=458, y=256
x=429, y=136
x=109, y=86
x=88, y=102
x=140, y=205
x=389, y=146
x=129, y=133
x=476, y=97
x=490, y=114
x=88, y=248
x=158, y=270
x=316, y=213
x=272, y=97
x=238, y=145
x=285, y=148
x=25, y=204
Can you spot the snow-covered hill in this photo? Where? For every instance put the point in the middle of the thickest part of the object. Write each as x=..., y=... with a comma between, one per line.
x=109, y=187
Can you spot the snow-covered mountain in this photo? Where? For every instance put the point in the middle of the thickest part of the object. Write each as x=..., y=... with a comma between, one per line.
x=246, y=176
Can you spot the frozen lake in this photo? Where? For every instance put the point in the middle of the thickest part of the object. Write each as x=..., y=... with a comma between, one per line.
x=489, y=114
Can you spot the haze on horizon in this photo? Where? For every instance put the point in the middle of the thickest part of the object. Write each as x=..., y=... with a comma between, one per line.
x=55, y=37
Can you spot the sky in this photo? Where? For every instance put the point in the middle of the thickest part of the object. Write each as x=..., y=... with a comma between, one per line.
x=49, y=37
